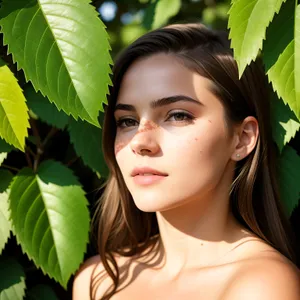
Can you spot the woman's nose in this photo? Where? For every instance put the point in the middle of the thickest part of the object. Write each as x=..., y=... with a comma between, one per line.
x=145, y=141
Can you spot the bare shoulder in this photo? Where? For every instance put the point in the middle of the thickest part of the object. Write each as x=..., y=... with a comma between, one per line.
x=93, y=274
x=265, y=278
x=82, y=280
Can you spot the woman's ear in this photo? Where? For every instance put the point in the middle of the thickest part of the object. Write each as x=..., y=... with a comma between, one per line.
x=247, y=135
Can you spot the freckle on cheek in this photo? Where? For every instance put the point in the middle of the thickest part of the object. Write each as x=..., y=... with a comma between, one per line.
x=209, y=121
x=196, y=139
x=119, y=146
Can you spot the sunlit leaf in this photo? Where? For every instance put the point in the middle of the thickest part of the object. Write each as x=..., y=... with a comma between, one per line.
x=50, y=218
x=41, y=292
x=86, y=139
x=5, y=225
x=12, y=279
x=284, y=122
x=13, y=109
x=248, y=21
x=45, y=110
x=289, y=172
x=63, y=47
x=2, y=157
x=279, y=34
x=164, y=10
x=280, y=56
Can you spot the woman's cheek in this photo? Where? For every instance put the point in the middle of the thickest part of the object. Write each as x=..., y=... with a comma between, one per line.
x=121, y=143
x=118, y=147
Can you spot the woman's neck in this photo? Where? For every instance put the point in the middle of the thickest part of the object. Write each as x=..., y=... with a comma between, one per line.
x=197, y=234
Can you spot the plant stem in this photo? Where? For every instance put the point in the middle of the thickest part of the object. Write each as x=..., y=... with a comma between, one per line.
x=35, y=131
x=31, y=152
x=39, y=144
x=72, y=161
x=10, y=168
x=51, y=133
x=28, y=159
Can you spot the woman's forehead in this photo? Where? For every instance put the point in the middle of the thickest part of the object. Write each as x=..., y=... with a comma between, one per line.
x=161, y=76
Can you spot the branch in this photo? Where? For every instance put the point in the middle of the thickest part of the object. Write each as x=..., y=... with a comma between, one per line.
x=72, y=161
x=28, y=159
x=51, y=133
x=39, y=144
x=10, y=168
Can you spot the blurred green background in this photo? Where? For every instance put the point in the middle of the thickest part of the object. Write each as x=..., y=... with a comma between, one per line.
x=127, y=20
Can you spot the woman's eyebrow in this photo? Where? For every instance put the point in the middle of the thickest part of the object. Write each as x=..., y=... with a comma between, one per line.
x=159, y=102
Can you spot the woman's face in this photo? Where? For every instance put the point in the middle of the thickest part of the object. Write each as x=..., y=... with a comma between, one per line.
x=170, y=121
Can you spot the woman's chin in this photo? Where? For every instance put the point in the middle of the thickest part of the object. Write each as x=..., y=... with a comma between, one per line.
x=154, y=205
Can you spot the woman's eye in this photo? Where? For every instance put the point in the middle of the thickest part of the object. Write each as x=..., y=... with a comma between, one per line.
x=180, y=117
x=126, y=122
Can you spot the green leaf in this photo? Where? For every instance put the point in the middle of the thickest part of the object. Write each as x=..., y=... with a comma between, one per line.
x=284, y=122
x=248, y=21
x=2, y=157
x=131, y=32
x=5, y=225
x=149, y=15
x=297, y=55
x=5, y=180
x=279, y=34
x=12, y=279
x=41, y=292
x=4, y=149
x=87, y=141
x=63, y=47
x=45, y=110
x=50, y=218
x=13, y=109
x=164, y=10
x=289, y=172
x=281, y=58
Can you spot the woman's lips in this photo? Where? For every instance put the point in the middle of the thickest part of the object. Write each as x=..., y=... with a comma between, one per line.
x=147, y=179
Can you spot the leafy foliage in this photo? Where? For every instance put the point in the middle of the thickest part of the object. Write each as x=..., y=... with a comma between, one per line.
x=4, y=149
x=86, y=139
x=13, y=109
x=248, y=22
x=2, y=157
x=164, y=10
x=46, y=208
x=56, y=31
x=41, y=291
x=5, y=226
x=12, y=283
x=289, y=176
x=5, y=180
x=45, y=110
x=285, y=123
x=149, y=15
x=62, y=48
x=279, y=34
x=283, y=73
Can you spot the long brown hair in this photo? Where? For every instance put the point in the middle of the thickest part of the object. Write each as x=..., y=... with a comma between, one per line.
x=254, y=197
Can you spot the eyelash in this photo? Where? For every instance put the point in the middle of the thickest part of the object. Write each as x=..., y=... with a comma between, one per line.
x=188, y=119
